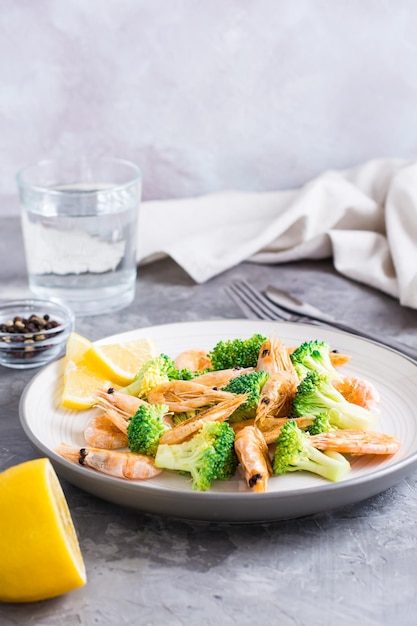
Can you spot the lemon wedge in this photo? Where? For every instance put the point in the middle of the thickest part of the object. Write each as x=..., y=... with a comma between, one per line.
x=89, y=366
x=76, y=347
x=80, y=381
x=40, y=553
x=120, y=362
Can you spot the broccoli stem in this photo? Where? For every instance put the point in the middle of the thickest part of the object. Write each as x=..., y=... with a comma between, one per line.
x=329, y=464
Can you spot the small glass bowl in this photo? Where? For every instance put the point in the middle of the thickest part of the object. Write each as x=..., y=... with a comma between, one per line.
x=43, y=337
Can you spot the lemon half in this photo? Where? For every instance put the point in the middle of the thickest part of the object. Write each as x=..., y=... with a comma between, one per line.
x=40, y=553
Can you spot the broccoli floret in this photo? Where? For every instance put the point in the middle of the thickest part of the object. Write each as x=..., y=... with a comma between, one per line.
x=315, y=395
x=252, y=384
x=320, y=424
x=294, y=452
x=146, y=427
x=154, y=372
x=183, y=374
x=207, y=456
x=314, y=356
x=236, y=353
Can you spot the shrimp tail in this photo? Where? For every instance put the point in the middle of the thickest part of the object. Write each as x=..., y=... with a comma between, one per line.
x=71, y=453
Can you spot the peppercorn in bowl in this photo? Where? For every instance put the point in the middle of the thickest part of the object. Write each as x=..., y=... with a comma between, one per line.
x=33, y=332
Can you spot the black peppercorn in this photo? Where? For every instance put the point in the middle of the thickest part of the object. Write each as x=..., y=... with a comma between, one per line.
x=28, y=331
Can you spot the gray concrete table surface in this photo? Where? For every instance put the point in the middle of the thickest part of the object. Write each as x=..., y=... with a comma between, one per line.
x=357, y=564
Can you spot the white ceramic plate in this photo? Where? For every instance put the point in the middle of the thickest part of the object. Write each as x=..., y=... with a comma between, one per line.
x=47, y=424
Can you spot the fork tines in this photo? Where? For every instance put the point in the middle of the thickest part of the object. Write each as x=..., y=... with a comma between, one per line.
x=254, y=303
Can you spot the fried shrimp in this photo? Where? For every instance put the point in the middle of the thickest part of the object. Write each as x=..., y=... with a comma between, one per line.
x=352, y=441
x=252, y=452
x=101, y=432
x=186, y=395
x=218, y=413
x=114, y=463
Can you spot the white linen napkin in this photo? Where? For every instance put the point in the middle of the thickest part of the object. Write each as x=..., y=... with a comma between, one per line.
x=365, y=218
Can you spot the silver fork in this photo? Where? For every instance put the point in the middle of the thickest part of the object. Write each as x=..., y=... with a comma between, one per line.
x=256, y=305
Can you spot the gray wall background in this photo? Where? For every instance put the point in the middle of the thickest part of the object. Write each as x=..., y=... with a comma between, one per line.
x=207, y=94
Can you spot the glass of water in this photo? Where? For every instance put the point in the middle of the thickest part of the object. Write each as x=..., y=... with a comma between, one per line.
x=79, y=221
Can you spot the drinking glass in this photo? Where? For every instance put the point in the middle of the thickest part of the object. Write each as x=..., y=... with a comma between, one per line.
x=79, y=221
